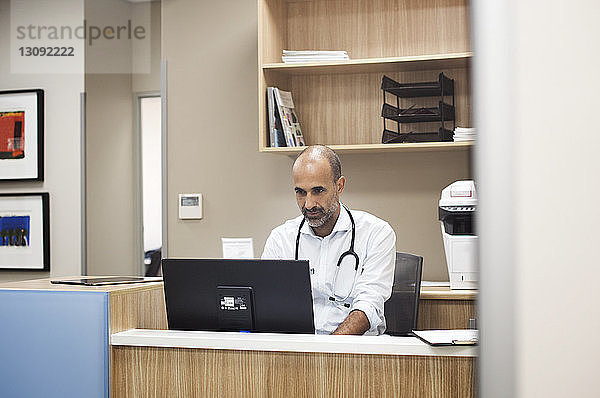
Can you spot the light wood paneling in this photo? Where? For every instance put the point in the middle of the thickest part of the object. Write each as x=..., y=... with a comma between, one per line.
x=378, y=148
x=445, y=314
x=379, y=28
x=143, y=308
x=392, y=64
x=172, y=372
x=272, y=32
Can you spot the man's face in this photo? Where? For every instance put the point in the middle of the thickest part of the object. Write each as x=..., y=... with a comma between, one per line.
x=316, y=192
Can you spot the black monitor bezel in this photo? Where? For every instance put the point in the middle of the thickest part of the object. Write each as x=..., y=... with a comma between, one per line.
x=281, y=289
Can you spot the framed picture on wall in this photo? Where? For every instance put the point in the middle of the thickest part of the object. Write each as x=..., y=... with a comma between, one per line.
x=22, y=135
x=25, y=231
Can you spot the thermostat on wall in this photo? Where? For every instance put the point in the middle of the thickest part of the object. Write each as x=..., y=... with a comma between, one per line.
x=190, y=206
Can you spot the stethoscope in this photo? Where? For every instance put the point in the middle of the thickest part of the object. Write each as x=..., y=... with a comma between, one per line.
x=350, y=253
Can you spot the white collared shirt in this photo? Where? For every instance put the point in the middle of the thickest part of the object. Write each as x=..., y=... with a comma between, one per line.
x=375, y=245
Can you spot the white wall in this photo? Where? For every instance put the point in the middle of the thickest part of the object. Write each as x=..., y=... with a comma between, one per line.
x=62, y=149
x=540, y=265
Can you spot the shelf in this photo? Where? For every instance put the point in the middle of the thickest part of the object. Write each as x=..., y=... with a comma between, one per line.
x=380, y=148
x=367, y=65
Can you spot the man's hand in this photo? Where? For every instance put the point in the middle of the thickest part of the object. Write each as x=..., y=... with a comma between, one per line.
x=355, y=323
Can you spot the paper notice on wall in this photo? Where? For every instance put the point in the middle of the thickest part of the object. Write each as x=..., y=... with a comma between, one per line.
x=237, y=248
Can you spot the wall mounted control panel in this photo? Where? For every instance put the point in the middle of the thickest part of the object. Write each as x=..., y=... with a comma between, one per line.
x=190, y=206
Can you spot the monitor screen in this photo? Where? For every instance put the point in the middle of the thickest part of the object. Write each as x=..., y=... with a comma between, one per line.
x=238, y=295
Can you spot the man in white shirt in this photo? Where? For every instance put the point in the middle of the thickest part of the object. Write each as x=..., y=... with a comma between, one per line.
x=351, y=253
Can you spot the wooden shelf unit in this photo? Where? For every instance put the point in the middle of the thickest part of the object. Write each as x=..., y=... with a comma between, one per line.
x=339, y=103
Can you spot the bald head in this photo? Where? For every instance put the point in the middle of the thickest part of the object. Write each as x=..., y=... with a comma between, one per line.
x=318, y=153
x=318, y=183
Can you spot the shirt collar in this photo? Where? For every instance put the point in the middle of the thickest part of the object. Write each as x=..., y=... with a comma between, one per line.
x=343, y=223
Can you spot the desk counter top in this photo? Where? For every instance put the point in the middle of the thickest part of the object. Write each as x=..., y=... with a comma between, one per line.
x=427, y=292
x=382, y=345
x=445, y=293
x=44, y=284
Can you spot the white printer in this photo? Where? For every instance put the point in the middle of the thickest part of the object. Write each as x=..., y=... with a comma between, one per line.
x=456, y=213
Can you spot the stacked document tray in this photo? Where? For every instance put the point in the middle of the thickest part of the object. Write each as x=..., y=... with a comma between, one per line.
x=394, y=112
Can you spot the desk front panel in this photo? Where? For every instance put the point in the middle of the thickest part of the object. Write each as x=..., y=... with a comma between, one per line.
x=183, y=372
x=444, y=308
x=141, y=308
x=445, y=314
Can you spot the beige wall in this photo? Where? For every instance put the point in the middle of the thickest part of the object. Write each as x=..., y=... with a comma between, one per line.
x=112, y=200
x=211, y=50
x=110, y=187
x=62, y=151
x=144, y=82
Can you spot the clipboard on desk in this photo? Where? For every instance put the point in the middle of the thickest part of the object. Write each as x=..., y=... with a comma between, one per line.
x=452, y=337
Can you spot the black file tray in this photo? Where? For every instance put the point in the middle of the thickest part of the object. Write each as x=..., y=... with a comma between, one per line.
x=422, y=89
x=391, y=137
x=418, y=115
x=444, y=112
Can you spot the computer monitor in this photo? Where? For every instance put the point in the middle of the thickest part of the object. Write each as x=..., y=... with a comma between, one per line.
x=238, y=295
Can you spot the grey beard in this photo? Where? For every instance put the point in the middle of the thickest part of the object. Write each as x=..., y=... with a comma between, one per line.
x=327, y=214
x=318, y=223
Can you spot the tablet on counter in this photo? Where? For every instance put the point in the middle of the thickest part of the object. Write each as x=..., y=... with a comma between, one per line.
x=103, y=281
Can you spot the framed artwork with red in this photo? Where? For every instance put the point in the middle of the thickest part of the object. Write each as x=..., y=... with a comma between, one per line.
x=22, y=135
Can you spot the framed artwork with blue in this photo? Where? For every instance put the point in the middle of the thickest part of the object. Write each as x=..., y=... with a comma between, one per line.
x=22, y=135
x=25, y=231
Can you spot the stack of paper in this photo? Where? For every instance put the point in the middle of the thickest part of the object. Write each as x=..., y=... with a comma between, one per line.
x=290, y=56
x=464, y=134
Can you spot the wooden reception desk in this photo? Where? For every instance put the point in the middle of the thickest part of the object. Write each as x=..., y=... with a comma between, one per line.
x=136, y=305
x=56, y=338
x=174, y=363
x=149, y=363
x=130, y=362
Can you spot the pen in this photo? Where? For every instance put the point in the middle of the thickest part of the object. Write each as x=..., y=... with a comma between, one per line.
x=465, y=342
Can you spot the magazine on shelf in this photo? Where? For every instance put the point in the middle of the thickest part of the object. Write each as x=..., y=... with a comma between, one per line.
x=313, y=52
x=291, y=56
x=299, y=60
x=276, y=134
x=289, y=119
